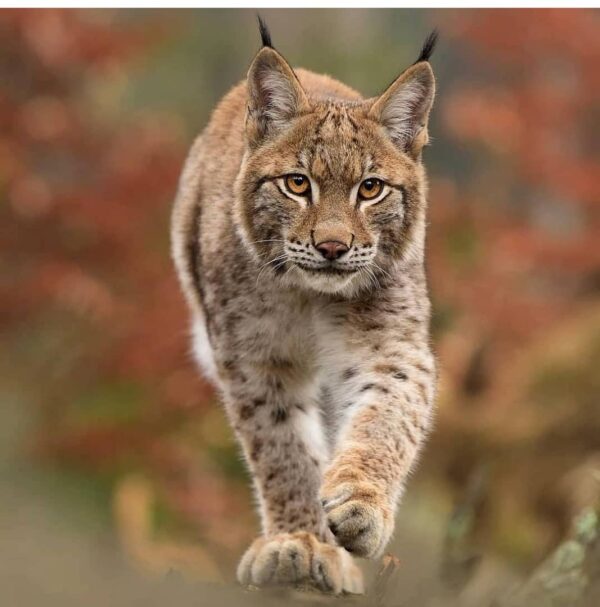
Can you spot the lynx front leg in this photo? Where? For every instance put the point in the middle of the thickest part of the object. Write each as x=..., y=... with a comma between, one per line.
x=389, y=417
x=284, y=444
x=286, y=463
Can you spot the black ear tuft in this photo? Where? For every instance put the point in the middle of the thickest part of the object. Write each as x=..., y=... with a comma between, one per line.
x=428, y=46
x=265, y=34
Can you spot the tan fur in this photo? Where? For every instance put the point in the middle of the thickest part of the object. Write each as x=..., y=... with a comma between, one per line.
x=324, y=367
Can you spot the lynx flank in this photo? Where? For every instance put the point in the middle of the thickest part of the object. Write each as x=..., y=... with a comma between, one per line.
x=298, y=236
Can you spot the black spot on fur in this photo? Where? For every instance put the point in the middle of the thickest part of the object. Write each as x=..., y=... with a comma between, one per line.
x=257, y=446
x=409, y=433
x=279, y=415
x=265, y=34
x=281, y=363
x=428, y=46
x=376, y=387
x=246, y=412
x=349, y=373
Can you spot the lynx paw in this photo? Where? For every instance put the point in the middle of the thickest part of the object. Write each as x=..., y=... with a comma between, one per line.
x=299, y=559
x=358, y=516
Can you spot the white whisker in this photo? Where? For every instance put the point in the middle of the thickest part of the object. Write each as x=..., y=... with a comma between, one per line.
x=279, y=261
x=267, y=240
x=384, y=272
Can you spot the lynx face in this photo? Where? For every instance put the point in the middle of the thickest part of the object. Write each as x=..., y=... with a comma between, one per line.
x=330, y=193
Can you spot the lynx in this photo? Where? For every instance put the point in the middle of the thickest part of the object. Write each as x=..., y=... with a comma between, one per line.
x=298, y=236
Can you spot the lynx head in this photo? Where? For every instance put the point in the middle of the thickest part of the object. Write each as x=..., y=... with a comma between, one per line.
x=330, y=194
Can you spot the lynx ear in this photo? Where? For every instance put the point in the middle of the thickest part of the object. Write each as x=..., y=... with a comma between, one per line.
x=404, y=107
x=275, y=95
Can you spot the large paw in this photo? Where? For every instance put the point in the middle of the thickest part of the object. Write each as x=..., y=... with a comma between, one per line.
x=299, y=559
x=359, y=516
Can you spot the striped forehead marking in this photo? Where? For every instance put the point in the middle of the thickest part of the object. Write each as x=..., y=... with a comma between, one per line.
x=335, y=151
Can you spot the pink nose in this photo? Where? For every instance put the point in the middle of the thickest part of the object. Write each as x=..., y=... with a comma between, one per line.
x=331, y=249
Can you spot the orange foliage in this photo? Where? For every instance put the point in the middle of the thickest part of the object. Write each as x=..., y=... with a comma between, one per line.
x=84, y=205
x=533, y=213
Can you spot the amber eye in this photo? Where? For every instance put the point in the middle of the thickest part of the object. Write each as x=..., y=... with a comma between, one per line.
x=297, y=184
x=370, y=188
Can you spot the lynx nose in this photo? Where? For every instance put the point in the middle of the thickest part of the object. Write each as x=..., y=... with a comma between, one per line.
x=331, y=249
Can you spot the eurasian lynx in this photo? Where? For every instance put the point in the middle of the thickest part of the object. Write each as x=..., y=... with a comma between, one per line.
x=298, y=236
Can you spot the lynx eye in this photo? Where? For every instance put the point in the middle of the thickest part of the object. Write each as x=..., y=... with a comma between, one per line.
x=297, y=184
x=370, y=188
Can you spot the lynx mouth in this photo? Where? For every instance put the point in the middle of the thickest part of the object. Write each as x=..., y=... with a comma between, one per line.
x=327, y=270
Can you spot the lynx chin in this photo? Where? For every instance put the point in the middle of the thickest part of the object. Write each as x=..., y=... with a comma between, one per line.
x=298, y=235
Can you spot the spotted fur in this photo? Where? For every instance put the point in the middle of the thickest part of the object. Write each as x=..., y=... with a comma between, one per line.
x=324, y=366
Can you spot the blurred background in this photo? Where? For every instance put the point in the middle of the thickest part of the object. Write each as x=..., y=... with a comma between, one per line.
x=116, y=463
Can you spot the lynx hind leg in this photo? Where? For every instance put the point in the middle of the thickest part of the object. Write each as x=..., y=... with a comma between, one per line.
x=299, y=559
